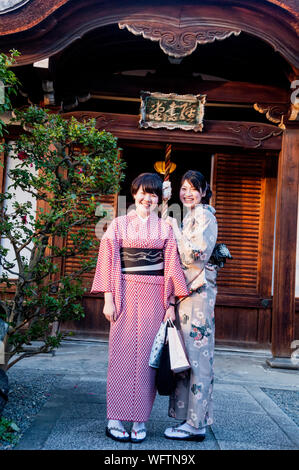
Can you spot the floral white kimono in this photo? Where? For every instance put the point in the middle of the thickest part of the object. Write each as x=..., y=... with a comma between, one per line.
x=192, y=399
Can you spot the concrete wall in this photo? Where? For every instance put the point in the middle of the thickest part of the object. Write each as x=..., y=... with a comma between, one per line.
x=20, y=196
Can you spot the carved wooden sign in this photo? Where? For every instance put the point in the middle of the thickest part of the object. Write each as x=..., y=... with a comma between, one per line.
x=172, y=111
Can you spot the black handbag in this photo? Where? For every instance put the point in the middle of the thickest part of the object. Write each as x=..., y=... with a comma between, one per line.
x=165, y=378
x=219, y=255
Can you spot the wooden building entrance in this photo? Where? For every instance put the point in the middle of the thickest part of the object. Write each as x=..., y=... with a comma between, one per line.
x=244, y=194
x=141, y=157
x=244, y=56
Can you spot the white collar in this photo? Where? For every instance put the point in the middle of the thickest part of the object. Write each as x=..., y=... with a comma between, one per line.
x=144, y=219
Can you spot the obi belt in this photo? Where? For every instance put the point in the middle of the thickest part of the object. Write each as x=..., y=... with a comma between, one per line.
x=144, y=261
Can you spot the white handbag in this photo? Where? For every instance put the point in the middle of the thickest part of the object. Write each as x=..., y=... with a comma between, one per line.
x=157, y=347
x=178, y=358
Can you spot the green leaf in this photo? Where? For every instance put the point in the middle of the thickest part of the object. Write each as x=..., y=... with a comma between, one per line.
x=14, y=427
x=65, y=165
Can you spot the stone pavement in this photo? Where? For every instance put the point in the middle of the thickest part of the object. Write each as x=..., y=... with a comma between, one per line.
x=255, y=406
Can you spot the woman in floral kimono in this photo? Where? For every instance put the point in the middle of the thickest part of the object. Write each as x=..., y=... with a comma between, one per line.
x=192, y=399
x=139, y=272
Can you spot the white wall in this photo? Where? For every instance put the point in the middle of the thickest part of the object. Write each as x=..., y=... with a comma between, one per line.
x=21, y=196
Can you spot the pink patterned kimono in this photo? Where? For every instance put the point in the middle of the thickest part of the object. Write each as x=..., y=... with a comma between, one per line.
x=141, y=301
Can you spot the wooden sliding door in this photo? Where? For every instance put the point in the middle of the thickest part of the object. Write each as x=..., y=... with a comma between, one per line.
x=244, y=187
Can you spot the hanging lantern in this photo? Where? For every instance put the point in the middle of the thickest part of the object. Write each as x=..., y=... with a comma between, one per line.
x=160, y=167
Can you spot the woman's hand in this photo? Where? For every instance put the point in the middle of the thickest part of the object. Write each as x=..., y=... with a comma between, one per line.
x=171, y=221
x=166, y=192
x=174, y=224
x=109, y=310
x=170, y=313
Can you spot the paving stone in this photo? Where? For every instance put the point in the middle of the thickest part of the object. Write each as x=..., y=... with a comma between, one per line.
x=245, y=417
x=254, y=429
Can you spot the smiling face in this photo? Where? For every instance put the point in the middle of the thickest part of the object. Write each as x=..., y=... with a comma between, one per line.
x=189, y=195
x=145, y=202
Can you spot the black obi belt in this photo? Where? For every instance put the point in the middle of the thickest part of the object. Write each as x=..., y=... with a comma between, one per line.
x=144, y=261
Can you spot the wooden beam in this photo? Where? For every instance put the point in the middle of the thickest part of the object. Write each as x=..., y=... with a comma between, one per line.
x=244, y=301
x=283, y=319
x=229, y=133
x=220, y=91
x=61, y=26
x=29, y=16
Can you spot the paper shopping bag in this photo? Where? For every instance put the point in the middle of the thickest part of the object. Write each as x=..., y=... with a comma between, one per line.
x=178, y=359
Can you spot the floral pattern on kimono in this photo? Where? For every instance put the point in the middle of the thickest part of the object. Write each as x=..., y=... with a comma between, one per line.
x=196, y=243
x=192, y=398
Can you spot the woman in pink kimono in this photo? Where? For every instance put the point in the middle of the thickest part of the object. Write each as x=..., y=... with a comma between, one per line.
x=192, y=399
x=139, y=272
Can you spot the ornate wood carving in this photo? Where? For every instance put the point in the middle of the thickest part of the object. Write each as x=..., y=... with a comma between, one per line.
x=283, y=114
x=103, y=121
x=177, y=41
x=265, y=20
x=255, y=134
x=274, y=113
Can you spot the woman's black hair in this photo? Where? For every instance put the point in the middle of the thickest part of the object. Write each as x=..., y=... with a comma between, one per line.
x=199, y=182
x=150, y=183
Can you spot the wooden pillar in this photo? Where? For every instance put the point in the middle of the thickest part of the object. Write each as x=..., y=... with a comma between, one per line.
x=283, y=312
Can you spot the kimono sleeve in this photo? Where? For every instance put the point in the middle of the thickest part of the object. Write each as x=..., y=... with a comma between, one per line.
x=174, y=278
x=104, y=279
x=196, y=245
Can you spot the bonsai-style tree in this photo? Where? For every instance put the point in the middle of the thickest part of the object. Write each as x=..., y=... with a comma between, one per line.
x=64, y=165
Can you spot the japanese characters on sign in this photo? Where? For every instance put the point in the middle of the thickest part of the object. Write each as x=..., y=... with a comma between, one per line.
x=172, y=111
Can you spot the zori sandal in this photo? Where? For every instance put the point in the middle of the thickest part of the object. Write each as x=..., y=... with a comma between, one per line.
x=117, y=434
x=138, y=436
x=183, y=434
